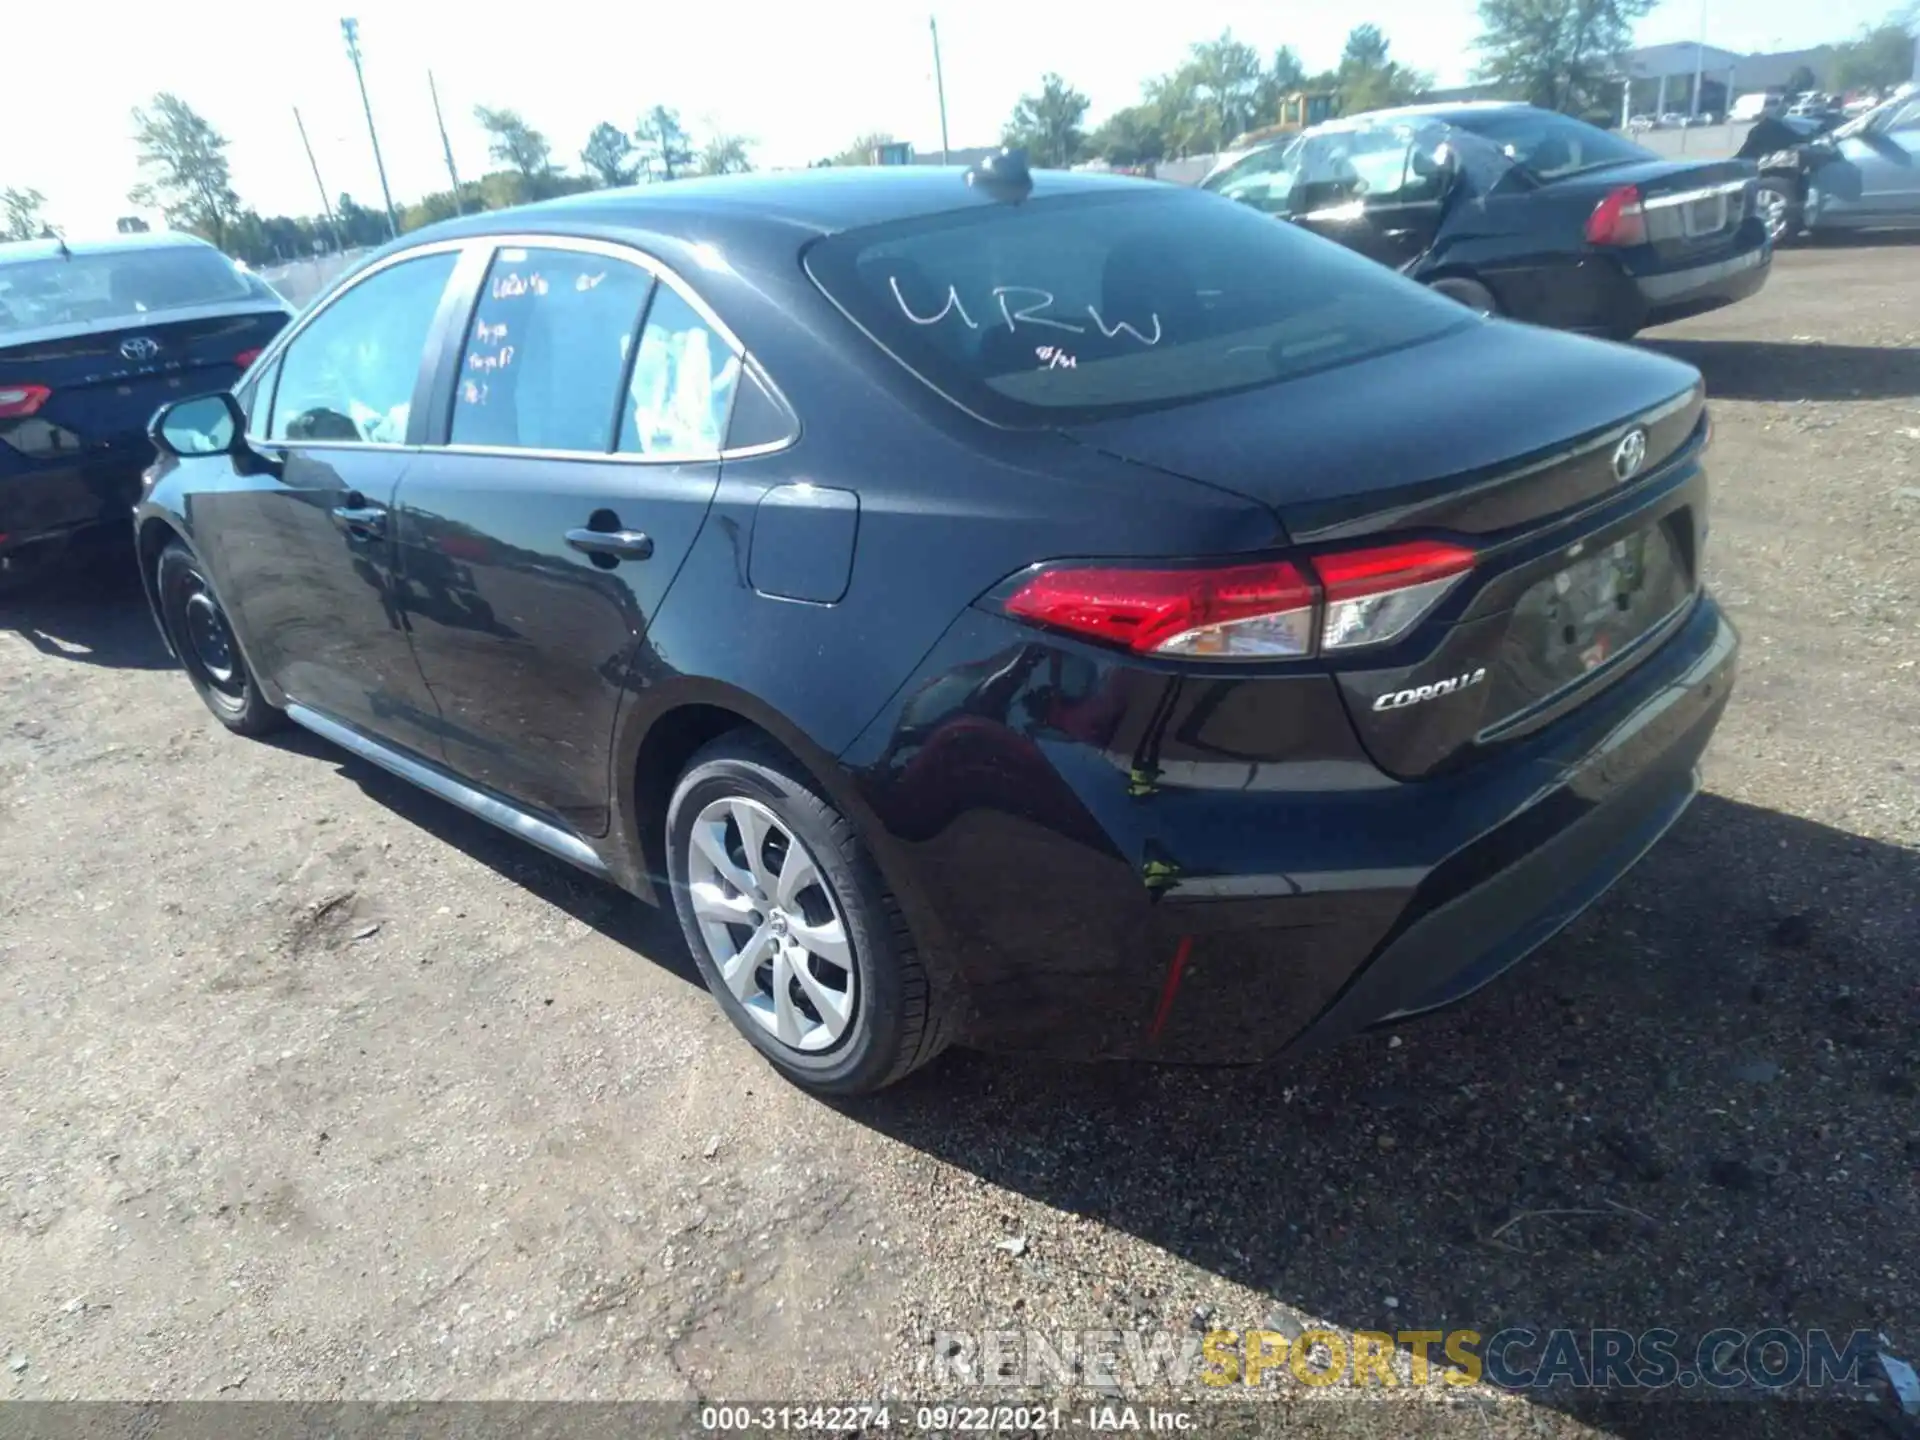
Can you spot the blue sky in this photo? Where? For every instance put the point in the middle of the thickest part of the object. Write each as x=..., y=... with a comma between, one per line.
x=799, y=80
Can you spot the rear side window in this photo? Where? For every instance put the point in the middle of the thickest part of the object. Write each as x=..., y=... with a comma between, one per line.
x=91, y=289
x=547, y=350
x=683, y=382
x=1084, y=307
x=1549, y=146
x=349, y=375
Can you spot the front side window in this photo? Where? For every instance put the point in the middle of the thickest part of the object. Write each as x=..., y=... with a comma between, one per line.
x=349, y=375
x=1080, y=307
x=547, y=349
x=683, y=383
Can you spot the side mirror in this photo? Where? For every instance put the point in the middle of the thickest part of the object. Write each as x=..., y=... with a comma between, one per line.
x=204, y=425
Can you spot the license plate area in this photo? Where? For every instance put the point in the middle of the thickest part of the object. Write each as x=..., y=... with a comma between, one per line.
x=1572, y=623
x=1706, y=216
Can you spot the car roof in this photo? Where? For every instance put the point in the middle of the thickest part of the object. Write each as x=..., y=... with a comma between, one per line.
x=811, y=202
x=106, y=245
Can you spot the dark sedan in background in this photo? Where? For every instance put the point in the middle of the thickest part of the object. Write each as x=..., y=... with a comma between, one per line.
x=1048, y=611
x=93, y=336
x=1519, y=212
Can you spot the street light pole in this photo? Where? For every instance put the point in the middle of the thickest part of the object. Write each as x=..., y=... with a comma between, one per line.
x=351, y=30
x=939, y=85
x=446, y=145
x=326, y=205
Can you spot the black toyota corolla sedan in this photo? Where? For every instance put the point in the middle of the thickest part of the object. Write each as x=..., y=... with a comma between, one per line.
x=1041, y=611
x=93, y=335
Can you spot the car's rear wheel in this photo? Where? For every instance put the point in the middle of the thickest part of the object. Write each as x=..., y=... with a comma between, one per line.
x=203, y=639
x=792, y=926
x=1470, y=293
x=1778, y=207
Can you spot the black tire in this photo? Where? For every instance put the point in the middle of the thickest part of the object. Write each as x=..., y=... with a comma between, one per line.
x=1470, y=293
x=1770, y=186
x=899, y=1022
x=203, y=640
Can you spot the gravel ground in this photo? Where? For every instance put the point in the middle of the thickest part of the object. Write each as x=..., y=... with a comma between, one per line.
x=314, y=1089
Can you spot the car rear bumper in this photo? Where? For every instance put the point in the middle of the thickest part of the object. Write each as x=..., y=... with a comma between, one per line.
x=1670, y=294
x=51, y=501
x=1189, y=917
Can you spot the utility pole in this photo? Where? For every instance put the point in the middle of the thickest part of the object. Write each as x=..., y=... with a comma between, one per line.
x=1699, y=63
x=446, y=145
x=351, y=30
x=326, y=205
x=939, y=85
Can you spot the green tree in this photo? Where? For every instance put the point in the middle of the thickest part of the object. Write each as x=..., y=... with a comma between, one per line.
x=609, y=155
x=1881, y=57
x=512, y=141
x=1557, y=54
x=20, y=213
x=185, y=161
x=1129, y=137
x=1048, y=124
x=860, y=152
x=1801, y=79
x=725, y=155
x=664, y=141
x=1284, y=76
x=1369, y=80
x=1223, y=84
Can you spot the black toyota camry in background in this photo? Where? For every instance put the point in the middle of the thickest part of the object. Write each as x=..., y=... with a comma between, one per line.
x=1520, y=212
x=93, y=336
x=1044, y=611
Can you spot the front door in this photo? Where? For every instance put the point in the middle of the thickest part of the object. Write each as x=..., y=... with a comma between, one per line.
x=303, y=553
x=537, y=543
x=1887, y=159
x=1377, y=189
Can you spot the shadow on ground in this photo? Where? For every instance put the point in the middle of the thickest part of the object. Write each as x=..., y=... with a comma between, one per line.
x=89, y=609
x=1693, y=1109
x=652, y=932
x=1782, y=370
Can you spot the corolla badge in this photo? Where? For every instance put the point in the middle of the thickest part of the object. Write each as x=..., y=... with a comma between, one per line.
x=1400, y=699
x=140, y=347
x=1629, y=455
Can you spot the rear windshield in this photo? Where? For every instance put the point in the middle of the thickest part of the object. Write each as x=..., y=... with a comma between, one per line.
x=1548, y=146
x=121, y=285
x=1090, y=306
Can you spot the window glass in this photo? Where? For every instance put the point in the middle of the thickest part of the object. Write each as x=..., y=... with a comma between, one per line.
x=1085, y=306
x=350, y=374
x=547, y=349
x=1262, y=179
x=1906, y=117
x=255, y=395
x=682, y=386
x=1548, y=146
x=92, y=288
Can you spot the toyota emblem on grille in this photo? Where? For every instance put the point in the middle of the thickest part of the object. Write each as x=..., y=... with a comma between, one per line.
x=1629, y=455
x=145, y=347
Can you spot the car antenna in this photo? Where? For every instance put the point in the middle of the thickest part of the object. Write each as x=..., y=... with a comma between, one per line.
x=1003, y=175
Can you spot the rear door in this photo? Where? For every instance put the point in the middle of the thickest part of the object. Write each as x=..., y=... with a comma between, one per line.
x=583, y=425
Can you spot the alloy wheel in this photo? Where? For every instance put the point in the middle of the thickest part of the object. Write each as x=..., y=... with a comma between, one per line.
x=1772, y=206
x=773, y=928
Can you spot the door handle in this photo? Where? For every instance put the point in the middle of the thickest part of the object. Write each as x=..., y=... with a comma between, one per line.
x=617, y=544
x=364, y=521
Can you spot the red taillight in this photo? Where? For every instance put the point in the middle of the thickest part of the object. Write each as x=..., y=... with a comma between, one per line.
x=1378, y=594
x=247, y=357
x=1618, y=219
x=1271, y=610
x=17, y=401
x=1242, y=612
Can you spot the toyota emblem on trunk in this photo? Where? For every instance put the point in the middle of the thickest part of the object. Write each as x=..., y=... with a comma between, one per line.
x=145, y=347
x=1629, y=455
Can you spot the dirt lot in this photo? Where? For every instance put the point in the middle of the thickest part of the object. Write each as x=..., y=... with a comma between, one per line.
x=311, y=1087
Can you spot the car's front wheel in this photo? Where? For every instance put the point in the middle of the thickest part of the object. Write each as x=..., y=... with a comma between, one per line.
x=203, y=639
x=1778, y=206
x=792, y=926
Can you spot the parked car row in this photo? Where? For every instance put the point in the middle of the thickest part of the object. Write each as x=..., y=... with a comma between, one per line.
x=1051, y=611
x=1819, y=175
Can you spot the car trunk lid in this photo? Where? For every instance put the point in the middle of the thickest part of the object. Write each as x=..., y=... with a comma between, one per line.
x=1584, y=548
x=1692, y=209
